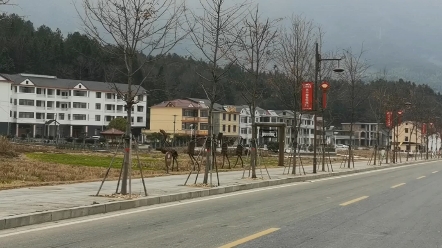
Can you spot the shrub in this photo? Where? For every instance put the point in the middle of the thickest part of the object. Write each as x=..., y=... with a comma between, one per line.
x=23, y=136
x=38, y=136
x=51, y=137
x=6, y=148
x=69, y=139
x=273, y=146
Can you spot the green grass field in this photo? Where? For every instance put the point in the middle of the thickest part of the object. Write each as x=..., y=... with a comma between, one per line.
x=76, y=159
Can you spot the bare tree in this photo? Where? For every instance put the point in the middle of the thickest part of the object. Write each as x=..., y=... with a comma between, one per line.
x=355, y=69
x=4, y=2
x=131, y=31
x=213, y=33
x=295, y=63
x=255, y=49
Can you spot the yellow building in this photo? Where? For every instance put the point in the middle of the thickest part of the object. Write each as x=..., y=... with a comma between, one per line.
x=406, y=137
x=225, y=118
x=179, y=116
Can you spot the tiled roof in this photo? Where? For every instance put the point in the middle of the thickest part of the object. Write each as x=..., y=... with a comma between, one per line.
x=178, y=103
x=58, y=83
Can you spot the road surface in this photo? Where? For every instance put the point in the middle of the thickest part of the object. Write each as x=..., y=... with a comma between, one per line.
x=396, y=207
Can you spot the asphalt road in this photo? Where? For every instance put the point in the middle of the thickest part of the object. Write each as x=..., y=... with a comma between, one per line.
x=399, y=207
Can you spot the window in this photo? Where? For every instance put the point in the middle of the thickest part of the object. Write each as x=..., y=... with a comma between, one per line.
x=234, y=117
x=204, y=113
x=69, y=117
x=97, y=105
x=15, y=114
x=406, y=138
x=79, y=105
x=224, y=128
x=109, y=96
x=243, y=119
x=108, y=118
x=406, y=131
x=230, y=117
x=26, y=115
x=97, y=117
x=234, y=128
x=39, y=91
x=97, y=94
x=140, y=98
x=79, y=117
x=281, y=120
x=61, y=116
x=15, y=101
x=190, y=113
x=273, y=119
x=243, y=130
x=250, y=130
x=109, y=107
x=228, y=128
x=188, y=126
x=204, y=126
x=50, y=116
x=39, y=116
x=224, y=116
x=26, y=102
x=140, y=108
x=139, y=119
x=27, y=89
x=50, y=92
x=10, y=113
x=80, y=93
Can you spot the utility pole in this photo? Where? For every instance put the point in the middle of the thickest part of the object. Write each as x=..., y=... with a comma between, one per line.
x=318, y=60
x=174, y=121
x=315, y=104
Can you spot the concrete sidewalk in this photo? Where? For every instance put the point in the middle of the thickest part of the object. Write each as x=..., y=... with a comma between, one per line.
x=34, y=205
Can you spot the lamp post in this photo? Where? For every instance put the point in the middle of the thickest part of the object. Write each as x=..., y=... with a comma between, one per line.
x=318, y=61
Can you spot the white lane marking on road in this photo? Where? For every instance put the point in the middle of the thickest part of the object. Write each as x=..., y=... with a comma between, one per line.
x=420, y=177
x=353, y=201
x=149, y=208
x=397, y=185
x=435, y=172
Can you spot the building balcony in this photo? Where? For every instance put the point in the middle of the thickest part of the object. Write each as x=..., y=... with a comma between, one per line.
x=41, y=95
x=109, y=111
x=197, y=132
x=110, y=99
x=63, y=97
x=62, y=109
x=190, y=119
x=40, y=108
x=50, y=96
x=50, y=108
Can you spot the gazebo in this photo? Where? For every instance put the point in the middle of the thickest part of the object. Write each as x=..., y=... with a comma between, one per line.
x=112, y=135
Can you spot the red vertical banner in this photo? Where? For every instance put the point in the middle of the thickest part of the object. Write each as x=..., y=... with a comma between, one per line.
x=307, y=96
x=324, y=100
x=389, y=119
x=424, y=129
x=399, y=117
x=324, y=86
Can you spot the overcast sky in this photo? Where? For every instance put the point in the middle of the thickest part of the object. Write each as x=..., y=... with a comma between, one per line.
x=409, y=28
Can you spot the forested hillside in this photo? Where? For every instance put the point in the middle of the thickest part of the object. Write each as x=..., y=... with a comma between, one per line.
x=40, y=50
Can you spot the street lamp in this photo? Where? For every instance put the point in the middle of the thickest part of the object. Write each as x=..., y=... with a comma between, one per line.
x=318, y=61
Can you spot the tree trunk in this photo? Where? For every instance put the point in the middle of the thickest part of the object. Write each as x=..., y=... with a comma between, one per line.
x=210, y=147
x=253, y=142
x=127, y=162
x=295, y=142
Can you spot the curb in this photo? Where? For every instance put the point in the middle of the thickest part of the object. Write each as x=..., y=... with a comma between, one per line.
x=76, y=212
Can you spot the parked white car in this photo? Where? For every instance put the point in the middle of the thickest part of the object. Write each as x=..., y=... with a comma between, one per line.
x=341, y=146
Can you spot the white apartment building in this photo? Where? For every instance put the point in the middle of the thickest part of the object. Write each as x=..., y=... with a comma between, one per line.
x=40, y=105
x=305, y=135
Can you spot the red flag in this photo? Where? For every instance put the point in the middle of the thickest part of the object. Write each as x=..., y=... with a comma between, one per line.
x=307, y=96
